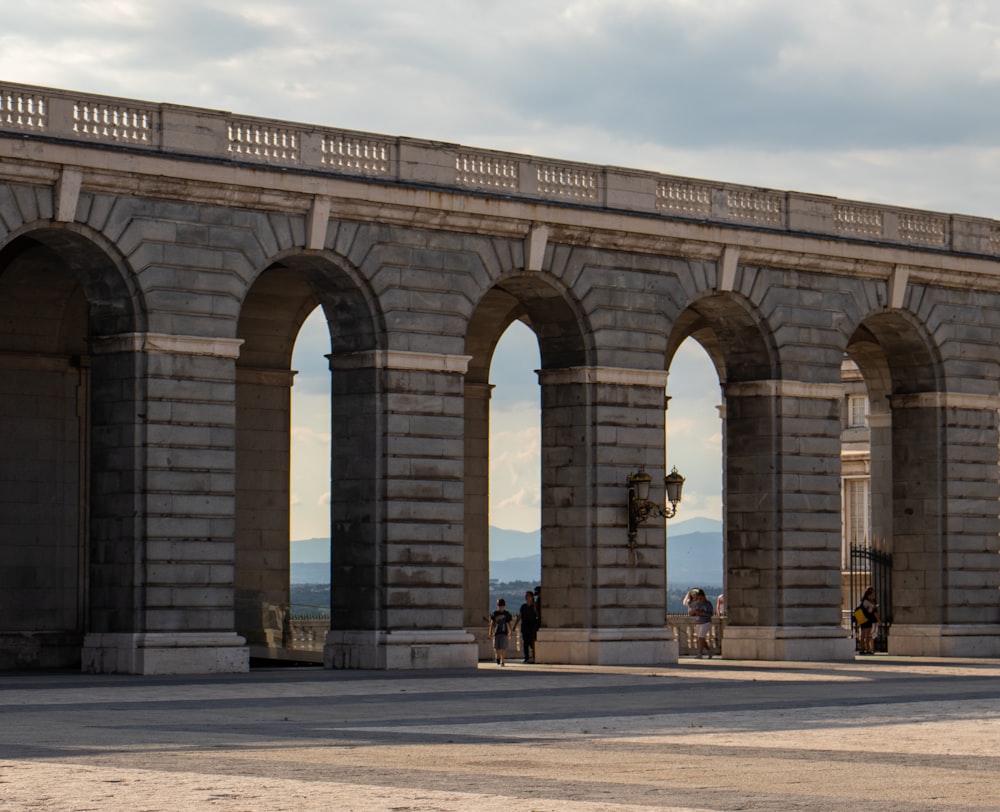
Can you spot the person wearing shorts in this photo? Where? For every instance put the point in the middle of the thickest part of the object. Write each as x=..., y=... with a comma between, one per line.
x=701, y=609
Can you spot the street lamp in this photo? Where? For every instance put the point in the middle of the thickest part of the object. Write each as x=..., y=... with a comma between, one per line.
x=640, y=508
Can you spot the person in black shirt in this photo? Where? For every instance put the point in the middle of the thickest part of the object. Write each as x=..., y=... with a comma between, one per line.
x=500, y=623
x=527, y=619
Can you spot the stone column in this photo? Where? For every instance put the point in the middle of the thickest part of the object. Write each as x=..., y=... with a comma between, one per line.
x=44, y=505
x=603, y=602
x=945, y=546
x=477, y=513
x=162, y=569
x=397, y=505
x=880, y=451
x=263, y=449
x=783, y=522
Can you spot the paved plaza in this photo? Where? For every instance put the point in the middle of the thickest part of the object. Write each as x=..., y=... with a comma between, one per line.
x=880, y=733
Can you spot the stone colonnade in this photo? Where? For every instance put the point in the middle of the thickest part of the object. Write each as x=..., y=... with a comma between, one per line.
x=151, y=293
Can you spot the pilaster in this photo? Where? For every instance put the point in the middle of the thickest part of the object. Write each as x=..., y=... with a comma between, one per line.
x=945, y=550
x=783, y=594
x=263, y=449
x=165, y=653
x=603, y=599
x=162, y=588
x=477, y=515
x=398, y=567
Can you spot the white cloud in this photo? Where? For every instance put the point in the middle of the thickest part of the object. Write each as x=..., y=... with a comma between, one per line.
x=713, y=442
x=524, y=498
x=515, y=448
x=696, y=504
x=310, y=436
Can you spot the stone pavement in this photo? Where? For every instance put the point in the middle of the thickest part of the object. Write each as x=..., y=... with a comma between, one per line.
x=879, y=733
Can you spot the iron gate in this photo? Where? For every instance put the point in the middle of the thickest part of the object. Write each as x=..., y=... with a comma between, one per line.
x=872, y=567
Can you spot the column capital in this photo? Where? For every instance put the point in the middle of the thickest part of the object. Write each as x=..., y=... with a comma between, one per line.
x=606, y=375
x=401, y=360
x=945, y=400
x=479, y=390
x=164, y=343
x=784, y=389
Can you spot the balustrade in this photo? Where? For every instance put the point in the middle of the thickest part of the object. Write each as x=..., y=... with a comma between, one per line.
x=685, y=629
x=183, y=131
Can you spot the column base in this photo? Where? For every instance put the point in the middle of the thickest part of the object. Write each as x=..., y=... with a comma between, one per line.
x=938, y=640
x=790, y=643
x=400, y=650
x=624, y=646
x=33, y=650
x=165, y=653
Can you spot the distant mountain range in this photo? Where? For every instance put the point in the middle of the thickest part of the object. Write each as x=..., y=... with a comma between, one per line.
x=311, y=551
x=694, y=555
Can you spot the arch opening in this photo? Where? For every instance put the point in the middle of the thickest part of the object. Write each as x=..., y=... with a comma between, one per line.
x=895, y=472
x=514, y=467
x=68, y=434
x=742, y=354
x=541, y=324
x=694, y=445
x=310, y=305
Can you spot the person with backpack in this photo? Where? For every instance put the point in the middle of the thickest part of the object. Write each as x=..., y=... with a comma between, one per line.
x=866, y=616
x=500, y=622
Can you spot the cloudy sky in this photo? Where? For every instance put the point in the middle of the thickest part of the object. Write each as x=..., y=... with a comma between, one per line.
x=892, y=101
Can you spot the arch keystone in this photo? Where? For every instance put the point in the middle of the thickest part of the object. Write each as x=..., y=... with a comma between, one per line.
x=896, y=285
x=727, y=267
x=534, y=248
x=316, y=223
x=67, y=194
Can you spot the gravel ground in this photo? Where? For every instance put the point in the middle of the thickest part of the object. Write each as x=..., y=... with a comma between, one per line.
x=880, y=733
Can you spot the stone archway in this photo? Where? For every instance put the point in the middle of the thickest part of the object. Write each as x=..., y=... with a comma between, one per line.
x=547, y=311
x=736, y=340
x=902, y=372
x=276, y=306
x=781, y=500
x=68, y=436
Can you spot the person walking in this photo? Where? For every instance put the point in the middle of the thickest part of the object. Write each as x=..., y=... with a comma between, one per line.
x=527, y=619
x=500, y=622
x=701, y=609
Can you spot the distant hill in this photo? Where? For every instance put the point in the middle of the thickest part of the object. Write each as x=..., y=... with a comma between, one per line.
x=309, y=573
x=694, y=555
x=504, y=544
x=507, y=544
x=699, y=524
x=310, y=551
x=695, y=559
x=526, y=568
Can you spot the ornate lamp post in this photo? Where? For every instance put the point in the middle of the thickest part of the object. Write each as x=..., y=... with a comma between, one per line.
x=640, y=508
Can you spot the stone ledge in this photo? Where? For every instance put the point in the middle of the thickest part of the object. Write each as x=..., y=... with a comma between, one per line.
x=790, y=643
x=933, y=640
x=400, y=650
x=611, y=646
x=165, y=653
